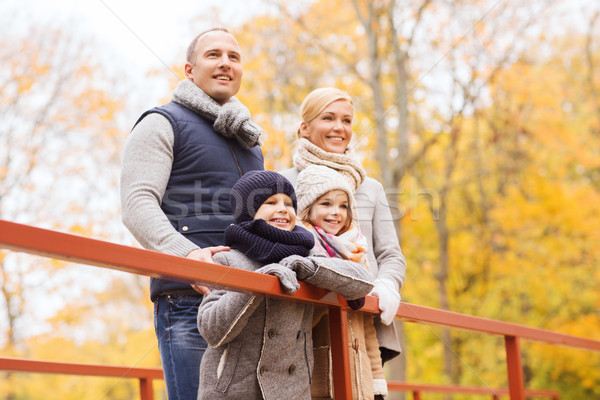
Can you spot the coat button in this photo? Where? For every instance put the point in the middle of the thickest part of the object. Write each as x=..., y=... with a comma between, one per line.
x=185, y=229
x=272, y=333
x=292, y=368
x=262, y=371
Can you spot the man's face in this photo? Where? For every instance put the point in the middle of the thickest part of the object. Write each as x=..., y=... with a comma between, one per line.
x=217, y=68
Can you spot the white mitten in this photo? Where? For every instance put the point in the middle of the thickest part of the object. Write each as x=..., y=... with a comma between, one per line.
x=389, y=299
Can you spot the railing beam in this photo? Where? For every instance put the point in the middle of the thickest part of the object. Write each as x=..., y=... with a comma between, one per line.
x=79, y=249
x=496, y=393
x=516, y=383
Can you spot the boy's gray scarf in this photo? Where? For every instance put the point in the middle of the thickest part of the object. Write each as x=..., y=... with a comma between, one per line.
x=231, y=120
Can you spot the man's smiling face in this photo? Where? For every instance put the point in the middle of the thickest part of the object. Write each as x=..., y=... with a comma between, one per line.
x=217, y=67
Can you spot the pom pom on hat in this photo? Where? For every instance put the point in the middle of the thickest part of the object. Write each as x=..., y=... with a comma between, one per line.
x=253, y=188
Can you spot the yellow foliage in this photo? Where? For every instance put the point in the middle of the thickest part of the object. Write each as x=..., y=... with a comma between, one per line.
x=78, y=229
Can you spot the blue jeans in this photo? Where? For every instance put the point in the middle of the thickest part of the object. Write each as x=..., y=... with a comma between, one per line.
x=180, y=345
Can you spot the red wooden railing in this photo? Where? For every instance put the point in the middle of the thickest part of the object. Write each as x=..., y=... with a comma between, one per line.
x=416, y=390
x=144, y=375
x=83, y=250
x=147, y=375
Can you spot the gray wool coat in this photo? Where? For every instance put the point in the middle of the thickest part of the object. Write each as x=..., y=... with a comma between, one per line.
x=261, y=348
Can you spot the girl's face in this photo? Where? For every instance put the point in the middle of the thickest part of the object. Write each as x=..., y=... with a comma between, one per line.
x=331, y=130
x=330, y=211
x=278, y=211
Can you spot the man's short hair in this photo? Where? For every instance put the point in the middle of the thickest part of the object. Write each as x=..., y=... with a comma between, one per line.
x=191, y=51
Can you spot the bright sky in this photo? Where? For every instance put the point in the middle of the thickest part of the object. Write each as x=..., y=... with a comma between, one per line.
x=134, y=36
x=147, y=32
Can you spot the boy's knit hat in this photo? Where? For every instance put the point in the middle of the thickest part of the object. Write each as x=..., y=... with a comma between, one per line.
x=316, y=180
x=253, y=188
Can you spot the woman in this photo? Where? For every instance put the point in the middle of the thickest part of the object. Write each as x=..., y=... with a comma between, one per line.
x=324, y=137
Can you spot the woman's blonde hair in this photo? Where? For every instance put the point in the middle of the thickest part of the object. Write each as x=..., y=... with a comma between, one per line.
x=305, y=214
x=319, y=99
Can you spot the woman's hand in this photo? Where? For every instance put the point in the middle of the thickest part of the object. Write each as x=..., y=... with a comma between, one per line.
x=389, y=299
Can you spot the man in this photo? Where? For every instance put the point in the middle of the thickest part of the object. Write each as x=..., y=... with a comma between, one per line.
x=180, y=162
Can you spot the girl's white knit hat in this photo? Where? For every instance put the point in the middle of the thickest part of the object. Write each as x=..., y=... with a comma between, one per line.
x=316, y=180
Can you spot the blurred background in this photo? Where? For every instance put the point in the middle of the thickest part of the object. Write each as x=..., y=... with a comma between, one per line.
x=481, y=118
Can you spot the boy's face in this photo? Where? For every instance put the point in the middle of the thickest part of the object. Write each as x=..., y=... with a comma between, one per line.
x=278, y=211
x=330, y=211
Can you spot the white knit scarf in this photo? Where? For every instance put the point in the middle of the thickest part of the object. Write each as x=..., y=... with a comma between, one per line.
x=346, y=164
x=231, y=120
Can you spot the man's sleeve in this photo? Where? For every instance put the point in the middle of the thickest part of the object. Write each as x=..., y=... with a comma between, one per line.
x=147, y=162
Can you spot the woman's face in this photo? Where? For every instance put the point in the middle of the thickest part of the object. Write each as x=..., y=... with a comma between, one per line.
x=330, y=211
x=331, y=130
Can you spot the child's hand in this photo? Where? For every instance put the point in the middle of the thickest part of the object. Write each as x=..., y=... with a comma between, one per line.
x=356, y=304
x=304, y=267
x=286, y=276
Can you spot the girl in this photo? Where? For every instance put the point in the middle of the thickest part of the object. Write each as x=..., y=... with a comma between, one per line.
x=261, y=348
x=326, y=206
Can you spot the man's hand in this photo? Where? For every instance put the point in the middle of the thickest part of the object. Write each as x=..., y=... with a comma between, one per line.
x=204, y=255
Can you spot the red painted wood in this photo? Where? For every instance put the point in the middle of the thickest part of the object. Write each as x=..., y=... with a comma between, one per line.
x=146, y=390
x=458, y=389
x=78, y=249
x=516, y=383
x=144, y=375
x=55, y=367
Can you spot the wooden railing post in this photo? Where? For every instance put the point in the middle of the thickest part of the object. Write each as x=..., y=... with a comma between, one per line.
x=146, y=390
x=338, y=331
x=416, y=395
x=516, y=383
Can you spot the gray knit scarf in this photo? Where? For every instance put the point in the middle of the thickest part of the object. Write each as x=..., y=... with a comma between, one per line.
x=346, y=164
x=231, y=120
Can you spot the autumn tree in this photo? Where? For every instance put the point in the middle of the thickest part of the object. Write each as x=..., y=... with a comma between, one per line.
x=60, y=143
